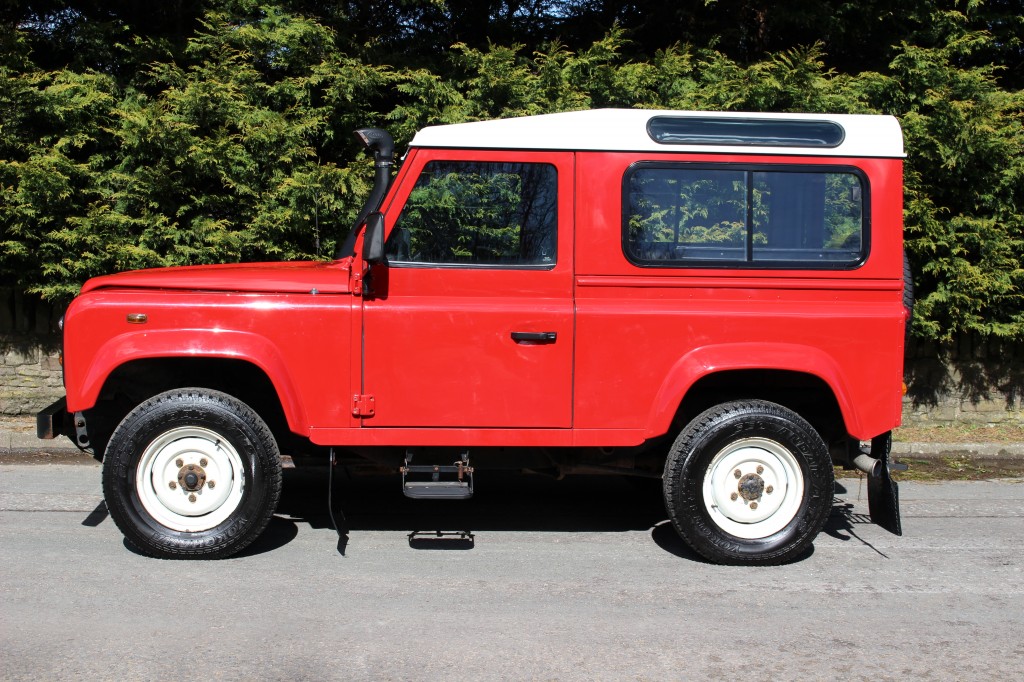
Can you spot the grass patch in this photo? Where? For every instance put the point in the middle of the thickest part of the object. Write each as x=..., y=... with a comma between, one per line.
x=961, y=433
x=949, y=469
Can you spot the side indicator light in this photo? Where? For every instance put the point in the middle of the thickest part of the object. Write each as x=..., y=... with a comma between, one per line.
x=137, y=318
x=904, y=388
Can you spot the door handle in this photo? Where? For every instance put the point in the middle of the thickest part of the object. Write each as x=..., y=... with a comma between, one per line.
x=539, y=337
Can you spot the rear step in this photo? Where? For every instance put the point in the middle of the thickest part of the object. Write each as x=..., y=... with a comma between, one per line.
x=457, y=486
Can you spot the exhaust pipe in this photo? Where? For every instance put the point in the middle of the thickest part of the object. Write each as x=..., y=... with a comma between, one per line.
x=869, y=465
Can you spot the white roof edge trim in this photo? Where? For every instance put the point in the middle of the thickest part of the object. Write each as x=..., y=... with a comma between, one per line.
x=866, y=135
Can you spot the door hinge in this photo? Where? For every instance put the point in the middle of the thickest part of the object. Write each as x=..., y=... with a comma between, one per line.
x=362, y=405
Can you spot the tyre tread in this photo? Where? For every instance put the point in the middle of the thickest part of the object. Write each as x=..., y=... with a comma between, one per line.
x=184, y=402
x=682, y=507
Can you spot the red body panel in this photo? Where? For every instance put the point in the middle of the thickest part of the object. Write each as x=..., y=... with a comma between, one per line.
x=300, y=341
x=432, y=346
x=668, y=327
x=438, y=346
x=300, y=277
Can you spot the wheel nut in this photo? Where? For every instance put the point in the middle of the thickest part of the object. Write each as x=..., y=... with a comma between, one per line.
x=731, y=497
x=760, y=469
x=173, y=485
x=737, y=473
x=192, y=498
x=203, y=462
x=769, y=490
x=211, y=483
x=753, y=505
x=178, y=463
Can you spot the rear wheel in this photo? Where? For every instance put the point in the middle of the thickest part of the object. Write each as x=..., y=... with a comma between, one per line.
x=191, y=473
x=748, y=482
x=908, y=294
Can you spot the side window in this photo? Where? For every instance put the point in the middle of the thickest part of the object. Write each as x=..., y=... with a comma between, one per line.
x=686, y=214
x=689, y=215
x=475, y=213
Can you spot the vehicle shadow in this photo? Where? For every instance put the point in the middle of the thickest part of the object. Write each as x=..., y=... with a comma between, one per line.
x=278, y=533
x=503, y=502
x=666, y=537
x=843, y=522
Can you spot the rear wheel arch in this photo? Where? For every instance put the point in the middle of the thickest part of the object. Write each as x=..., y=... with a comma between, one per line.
x=806, y=394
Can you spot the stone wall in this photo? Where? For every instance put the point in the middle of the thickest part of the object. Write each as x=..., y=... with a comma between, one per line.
x=969, y=381
x=30, y=377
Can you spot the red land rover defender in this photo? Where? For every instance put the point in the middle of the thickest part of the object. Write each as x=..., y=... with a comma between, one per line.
x=714, y=299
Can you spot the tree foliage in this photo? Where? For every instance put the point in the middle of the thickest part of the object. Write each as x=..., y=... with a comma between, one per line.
x=207, y=131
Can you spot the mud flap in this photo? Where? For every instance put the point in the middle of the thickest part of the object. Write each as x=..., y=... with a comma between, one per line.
x=883, y=492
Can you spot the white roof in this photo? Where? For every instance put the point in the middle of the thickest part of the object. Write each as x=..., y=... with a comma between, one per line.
x=626, y=130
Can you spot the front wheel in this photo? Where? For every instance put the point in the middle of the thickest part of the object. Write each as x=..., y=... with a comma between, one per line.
x=191, y=473
x=748, y=482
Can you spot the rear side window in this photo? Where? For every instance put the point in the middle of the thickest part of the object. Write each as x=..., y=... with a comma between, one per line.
x=745, y=216
x=473, y=213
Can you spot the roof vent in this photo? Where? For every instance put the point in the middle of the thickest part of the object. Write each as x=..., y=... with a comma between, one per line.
x=744, y=131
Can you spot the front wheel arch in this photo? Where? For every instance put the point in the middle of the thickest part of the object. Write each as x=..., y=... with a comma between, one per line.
x=136, y=381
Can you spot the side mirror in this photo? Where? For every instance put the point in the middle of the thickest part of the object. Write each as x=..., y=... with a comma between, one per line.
x=373, y=239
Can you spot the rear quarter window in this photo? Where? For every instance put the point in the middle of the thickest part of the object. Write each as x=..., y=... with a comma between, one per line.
x=752, y=216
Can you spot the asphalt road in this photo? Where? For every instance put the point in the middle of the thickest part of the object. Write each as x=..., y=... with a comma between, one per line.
x=574, y=580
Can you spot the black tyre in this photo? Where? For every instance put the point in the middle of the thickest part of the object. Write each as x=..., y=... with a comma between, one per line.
x=191, y=473
x=908, y=294
x=748, y=482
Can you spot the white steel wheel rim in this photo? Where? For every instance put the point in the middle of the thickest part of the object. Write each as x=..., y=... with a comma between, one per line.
x=766, y=495
x=166, y=461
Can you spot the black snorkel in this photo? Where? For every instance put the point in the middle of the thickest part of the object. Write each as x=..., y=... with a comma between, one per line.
x=383, y=147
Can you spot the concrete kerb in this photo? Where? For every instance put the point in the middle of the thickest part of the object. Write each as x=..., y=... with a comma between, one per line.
x=18, y=442
x=969, y=451
x=18, y=434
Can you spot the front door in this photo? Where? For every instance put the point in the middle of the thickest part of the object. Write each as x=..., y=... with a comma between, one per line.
x=470, y=323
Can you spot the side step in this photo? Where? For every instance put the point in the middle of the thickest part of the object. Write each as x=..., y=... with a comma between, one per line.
x=446, y=482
